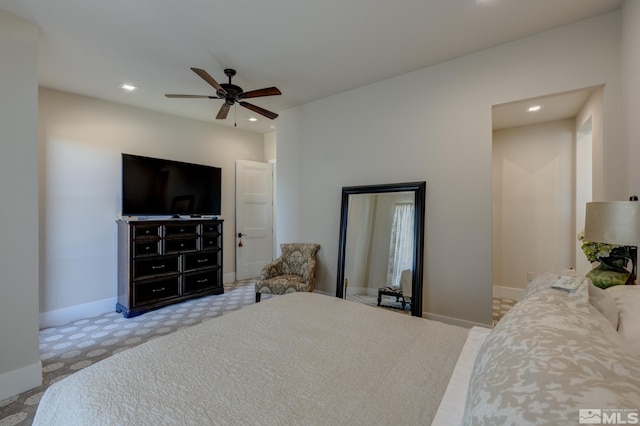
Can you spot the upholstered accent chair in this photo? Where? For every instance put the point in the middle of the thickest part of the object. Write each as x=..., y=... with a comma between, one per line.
x=294, y=270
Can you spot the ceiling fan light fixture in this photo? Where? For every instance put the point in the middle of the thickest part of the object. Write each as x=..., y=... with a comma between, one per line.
x=253, y=119
x=534, y=108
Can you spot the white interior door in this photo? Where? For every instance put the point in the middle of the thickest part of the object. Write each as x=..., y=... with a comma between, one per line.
x=254, y=218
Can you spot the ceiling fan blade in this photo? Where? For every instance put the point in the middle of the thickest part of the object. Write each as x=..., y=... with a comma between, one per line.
x=224, y=110
x=206, y=77
x=262, y=111
x=267, y=91
x=171, y=95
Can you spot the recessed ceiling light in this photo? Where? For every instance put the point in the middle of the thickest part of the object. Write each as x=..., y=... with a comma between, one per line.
x=253, y=119
x=128, y=87
x=534, y=108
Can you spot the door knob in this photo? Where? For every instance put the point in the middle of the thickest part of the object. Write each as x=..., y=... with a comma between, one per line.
x=240, y=235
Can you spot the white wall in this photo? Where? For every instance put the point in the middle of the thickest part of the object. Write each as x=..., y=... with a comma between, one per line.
x=435, y=125
x=631, y=91
x=533, y=213
x=594, y=109
x=360, y=229
x=20, y=367
x=82, y=139
x=270, y=144
x=591, y=115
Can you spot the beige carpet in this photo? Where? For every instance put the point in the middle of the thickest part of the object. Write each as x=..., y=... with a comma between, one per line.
x=72, y=347
x=500, y=307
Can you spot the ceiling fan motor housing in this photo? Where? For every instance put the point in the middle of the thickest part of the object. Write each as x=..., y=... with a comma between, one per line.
x=232, y=90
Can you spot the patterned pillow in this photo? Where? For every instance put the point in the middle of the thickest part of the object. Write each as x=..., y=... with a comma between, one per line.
x=627, y=300
x=605, y=304
x=550, y=356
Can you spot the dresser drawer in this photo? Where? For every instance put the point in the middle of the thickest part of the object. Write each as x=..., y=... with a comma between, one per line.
x=178, y=229
x=143, y=248
x=153, y=290
x=210, y=242
x=211, y=228
x=198, y=281
x=143, y=231
x=155, y=266
x=206, y=259
x=179, y=245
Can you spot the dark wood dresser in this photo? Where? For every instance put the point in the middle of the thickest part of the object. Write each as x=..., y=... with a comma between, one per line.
x=167, y=261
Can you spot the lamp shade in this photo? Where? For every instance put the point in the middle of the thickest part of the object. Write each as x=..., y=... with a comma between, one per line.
x=613, y=222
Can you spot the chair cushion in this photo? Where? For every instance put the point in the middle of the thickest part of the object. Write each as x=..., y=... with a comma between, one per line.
x=390, y=291
x=282, y=284
x=295, y=257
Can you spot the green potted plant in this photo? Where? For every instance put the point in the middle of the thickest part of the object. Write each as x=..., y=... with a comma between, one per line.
x=612, y=262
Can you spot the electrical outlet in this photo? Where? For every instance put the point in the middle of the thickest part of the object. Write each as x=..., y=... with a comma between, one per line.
x=529, y=276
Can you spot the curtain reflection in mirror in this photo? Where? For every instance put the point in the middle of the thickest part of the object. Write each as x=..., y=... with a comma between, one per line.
x=401, y=244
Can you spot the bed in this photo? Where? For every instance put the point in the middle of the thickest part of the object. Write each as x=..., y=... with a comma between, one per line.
x=306, y=358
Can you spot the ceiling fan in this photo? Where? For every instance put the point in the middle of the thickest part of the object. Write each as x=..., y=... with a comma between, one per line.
x=232, y=94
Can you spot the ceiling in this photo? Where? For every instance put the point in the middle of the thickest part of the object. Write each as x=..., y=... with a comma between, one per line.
x=554, y=107
x=308, y=49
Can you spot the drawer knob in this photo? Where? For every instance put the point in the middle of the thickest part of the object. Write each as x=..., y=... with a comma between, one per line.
x=156, y=290
x=203, y=281
x=202, y=260
x=157, y=266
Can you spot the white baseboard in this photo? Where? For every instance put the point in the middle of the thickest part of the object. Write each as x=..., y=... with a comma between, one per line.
x=78, y=312
x=362, y=290
x=454, y=321
x=507, y=292
x=21, y=380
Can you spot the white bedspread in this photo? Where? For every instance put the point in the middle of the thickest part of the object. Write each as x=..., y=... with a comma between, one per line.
x=301, y=358
x=451, y=409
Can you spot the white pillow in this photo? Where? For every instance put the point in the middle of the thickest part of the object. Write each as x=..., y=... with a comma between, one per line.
x=627, y=298
x=604, y=303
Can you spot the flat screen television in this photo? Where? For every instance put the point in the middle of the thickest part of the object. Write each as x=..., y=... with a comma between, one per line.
x=156, y=187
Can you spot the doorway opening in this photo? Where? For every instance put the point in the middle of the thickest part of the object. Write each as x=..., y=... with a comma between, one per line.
x=542, y=176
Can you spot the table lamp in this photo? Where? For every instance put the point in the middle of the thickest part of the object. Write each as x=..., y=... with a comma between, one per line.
x=615, y=222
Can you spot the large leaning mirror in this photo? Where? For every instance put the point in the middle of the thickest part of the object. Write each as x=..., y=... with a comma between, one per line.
x=381, y=245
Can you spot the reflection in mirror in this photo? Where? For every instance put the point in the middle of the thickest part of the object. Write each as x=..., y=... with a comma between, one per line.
x=381, y=243
x=379, y=246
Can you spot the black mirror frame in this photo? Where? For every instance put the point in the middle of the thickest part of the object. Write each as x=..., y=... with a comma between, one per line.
x=419, y=189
